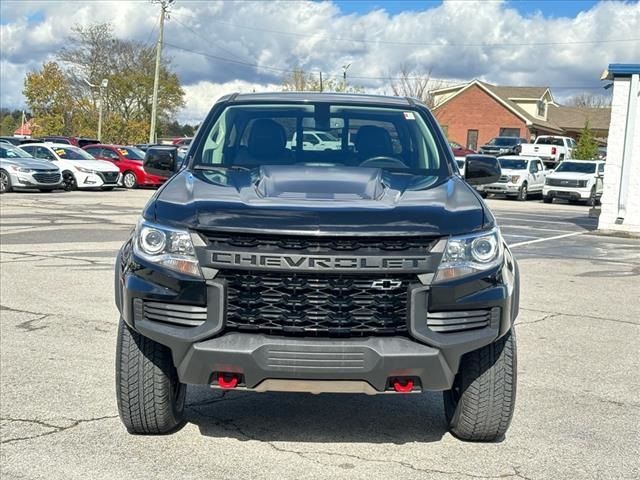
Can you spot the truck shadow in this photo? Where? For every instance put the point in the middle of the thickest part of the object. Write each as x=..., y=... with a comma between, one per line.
x=298, y=417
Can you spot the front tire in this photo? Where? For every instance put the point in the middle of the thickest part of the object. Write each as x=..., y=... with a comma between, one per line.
x=523, y=193
x=69, y=182
x=5, y=182
x=480, y=405
x=150, y=396
x=547, y=199
x=129, y=180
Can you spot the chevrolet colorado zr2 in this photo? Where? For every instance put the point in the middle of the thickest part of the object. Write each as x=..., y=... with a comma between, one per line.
x=372, y=267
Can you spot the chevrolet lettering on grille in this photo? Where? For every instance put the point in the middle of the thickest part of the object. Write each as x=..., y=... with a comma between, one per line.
x=276, y=261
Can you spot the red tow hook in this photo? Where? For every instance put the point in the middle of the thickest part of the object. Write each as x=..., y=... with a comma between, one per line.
x=228, y=380
x=401, y=387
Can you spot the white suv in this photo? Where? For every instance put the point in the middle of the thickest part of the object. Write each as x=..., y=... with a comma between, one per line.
x=79, y=169
x=575, y=180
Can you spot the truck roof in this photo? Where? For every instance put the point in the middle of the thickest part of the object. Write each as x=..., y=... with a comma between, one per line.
x=355, y=98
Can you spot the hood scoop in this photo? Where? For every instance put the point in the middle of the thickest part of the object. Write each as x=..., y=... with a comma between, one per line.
x=320, y=183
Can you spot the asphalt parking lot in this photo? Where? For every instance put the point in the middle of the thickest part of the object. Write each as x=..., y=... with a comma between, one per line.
x=578, y=406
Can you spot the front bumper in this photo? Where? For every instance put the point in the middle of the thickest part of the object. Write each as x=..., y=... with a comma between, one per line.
x=28, y=181
x=504, y=188
x=97, y=180
x=567, y=193
x=429, y=355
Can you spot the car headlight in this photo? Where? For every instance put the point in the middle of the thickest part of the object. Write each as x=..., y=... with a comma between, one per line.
x=168, y=247
x=21, y=169
x=85, y=170
x=515, y=178
x=469, y=254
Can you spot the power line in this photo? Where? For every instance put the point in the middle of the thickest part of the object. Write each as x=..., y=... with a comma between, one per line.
x=335, y=77
x=428, y=44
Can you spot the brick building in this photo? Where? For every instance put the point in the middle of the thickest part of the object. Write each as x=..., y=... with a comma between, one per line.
x=473, y=113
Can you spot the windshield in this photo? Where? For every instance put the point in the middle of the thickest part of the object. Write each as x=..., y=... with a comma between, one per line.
x=250, y=136
x=576, y=167
x=512, y=164
x=72, y=153
x=131, y=153
x=503, y=141
x=550, y=141
x=8, y=151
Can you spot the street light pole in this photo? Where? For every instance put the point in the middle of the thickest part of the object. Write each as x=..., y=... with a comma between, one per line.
x=102, y=88
x=164, y=8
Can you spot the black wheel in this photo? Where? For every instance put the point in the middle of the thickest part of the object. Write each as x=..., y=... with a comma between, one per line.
x=592, y=197
x=107, y=189
x=150, y=396
x=480, y=405
x=69, y=181
x=547, y=199
x=129, y=180
x=5, y=182
x=483, y=194
x=523, y=193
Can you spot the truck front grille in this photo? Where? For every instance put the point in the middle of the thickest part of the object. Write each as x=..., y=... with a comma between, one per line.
x=170, y=313
x=330, y=305
x=451, y=322
x=503, y=179
x=557, y=182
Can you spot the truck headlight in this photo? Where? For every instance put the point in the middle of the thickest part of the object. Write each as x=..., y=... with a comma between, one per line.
x=515, y=178
x=168, y=247
x=469, y=254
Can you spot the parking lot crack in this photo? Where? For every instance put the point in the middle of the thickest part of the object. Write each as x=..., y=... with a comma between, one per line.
x=53, y=429
x=551, y=315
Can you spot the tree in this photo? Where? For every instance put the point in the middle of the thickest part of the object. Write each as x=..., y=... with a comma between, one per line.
x=49, y=98
x=589, y=100
x=300, y=81
x=415, y=85
x=91, y=55
x=587, y=148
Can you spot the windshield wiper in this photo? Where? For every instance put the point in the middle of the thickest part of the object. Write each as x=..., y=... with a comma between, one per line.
x=237, y=168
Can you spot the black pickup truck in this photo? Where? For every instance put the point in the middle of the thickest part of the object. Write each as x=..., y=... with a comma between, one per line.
x=368, y=267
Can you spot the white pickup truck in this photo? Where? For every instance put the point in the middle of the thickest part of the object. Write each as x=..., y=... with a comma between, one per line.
x=521, y=176
x=575, y=180
x=316, y=140
x=550, y=148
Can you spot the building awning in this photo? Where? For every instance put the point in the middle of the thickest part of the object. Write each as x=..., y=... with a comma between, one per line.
x=620, y=70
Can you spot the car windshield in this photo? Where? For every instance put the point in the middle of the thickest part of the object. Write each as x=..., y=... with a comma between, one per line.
x=72, y=153
x=512, y=164
x=550, y=141
x=8, y=151
x=503, y=141
x=131, y=153
x=250, y=136
x=576, y=167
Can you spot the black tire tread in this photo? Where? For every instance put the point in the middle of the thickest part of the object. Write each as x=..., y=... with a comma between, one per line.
x=144, y=374
x=488, y=385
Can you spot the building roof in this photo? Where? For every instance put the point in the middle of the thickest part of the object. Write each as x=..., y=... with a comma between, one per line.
x=574, y=118
x=620, y=70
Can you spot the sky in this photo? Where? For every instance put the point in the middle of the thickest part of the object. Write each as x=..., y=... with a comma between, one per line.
x=217, y=47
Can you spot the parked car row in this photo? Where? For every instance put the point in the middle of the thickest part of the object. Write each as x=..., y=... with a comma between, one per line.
x=50, y=166
x=524, y=176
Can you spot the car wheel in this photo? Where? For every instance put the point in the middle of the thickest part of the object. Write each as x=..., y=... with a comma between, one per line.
x=69, y=181
x=592, y=197
x=5, y=182
x=129, y=180
x=547, y=199
x=479, y=407
x=523, y=193
x=150, y=396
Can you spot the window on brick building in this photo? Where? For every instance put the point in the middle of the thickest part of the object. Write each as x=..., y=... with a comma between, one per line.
x=472, y=139
x=509, y=132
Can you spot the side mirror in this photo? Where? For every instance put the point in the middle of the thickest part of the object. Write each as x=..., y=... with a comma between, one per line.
x=481, y=169
x=161, y=160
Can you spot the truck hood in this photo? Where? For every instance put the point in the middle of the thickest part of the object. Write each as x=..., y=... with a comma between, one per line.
x=571, y=175
x=317, y=201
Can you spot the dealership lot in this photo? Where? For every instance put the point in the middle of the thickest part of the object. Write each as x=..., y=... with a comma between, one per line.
x=578, y=394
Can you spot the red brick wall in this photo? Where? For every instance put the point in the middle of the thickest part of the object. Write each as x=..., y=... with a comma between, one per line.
x=474, y=109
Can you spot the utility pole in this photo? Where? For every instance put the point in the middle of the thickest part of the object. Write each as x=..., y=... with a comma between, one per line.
x=164, y=9
x=344, y=75
x=320, y=81
x=103, y=87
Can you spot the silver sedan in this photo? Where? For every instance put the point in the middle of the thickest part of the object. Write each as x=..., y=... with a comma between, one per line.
x=20, y=171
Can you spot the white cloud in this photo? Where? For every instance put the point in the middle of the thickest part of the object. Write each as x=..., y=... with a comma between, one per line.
x=317, y=36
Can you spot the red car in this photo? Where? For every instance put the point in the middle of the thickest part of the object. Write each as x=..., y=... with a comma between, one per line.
x=129, y=161
x=459, y=150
